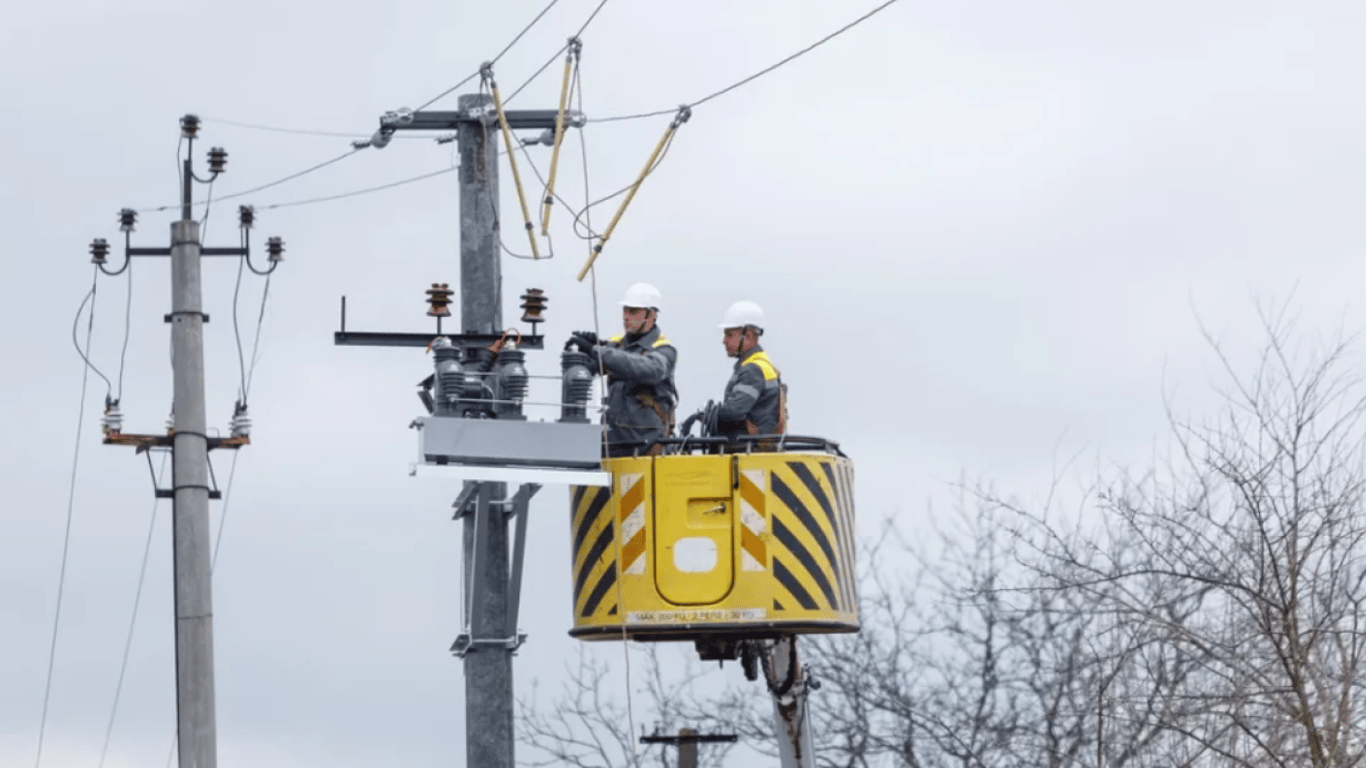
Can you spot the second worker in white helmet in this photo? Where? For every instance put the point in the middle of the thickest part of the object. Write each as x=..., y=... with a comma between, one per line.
x=755, y=400
x=641, y=394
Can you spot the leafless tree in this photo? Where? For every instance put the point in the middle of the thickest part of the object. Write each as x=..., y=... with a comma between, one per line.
x=589, y=724
x=1247, y=556
x=1208, y=612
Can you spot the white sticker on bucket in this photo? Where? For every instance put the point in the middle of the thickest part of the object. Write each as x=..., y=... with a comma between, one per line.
x=695, y=554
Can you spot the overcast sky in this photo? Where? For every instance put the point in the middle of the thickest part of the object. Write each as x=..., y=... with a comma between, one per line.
x=981, y=232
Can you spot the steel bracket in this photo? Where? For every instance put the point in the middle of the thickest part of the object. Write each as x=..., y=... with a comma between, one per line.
x=465, y=644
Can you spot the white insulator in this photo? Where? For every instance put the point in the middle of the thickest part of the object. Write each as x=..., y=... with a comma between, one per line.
x=241, y=424
x=113, y=420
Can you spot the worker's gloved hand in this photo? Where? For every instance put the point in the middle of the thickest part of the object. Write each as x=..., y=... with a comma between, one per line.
x=585, y=339
x=685, y=429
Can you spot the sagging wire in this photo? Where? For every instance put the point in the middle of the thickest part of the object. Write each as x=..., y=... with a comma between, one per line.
x=85, y=355
x=127, y=330
x=132, y=623
x=70, y=504
x=493, y=204
x=486, y=73
x=579, y=217
x=684, y=112
x=571, y=59
x=247, y=214
x=237, y=334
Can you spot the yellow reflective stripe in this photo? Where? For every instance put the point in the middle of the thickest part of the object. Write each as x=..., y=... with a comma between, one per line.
x=661, y=341
x=616, y=338
x=761, y=359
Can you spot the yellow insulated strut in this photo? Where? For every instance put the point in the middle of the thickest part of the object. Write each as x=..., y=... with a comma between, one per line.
x=684, y=112
x=486, y=72
x=575, y=49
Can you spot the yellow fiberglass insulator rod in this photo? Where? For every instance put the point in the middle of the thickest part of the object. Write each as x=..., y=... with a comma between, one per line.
x=487, y=72
x=575, y=48
x=684, y=112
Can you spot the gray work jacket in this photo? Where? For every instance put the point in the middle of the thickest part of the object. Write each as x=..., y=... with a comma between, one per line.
x=754, y=395
x=638, y=369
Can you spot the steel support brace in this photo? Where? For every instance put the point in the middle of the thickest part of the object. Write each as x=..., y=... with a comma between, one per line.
x=477, y=547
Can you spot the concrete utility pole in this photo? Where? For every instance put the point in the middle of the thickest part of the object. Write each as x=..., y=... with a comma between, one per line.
x=189, y=443
x=493, y=573
x=488, y=670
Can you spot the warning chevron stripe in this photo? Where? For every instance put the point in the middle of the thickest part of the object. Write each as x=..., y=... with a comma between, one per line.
x=809, y=530
x=841, y=485
x=593, y=522
x=753, y=522
x=633, y=523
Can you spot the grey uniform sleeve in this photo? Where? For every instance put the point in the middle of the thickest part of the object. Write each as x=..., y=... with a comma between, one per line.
x=652, y=367
x=743, y=392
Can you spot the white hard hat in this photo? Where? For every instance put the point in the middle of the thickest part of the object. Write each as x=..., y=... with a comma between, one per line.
x=743, y=313
x=641, y=295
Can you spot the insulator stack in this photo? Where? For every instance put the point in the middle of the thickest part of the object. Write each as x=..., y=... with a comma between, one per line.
x=450, y=375
x=112, y=422
x=512, y=374
x=533, y=304
x=577, y=386
x=218, y=159
x=439, y=297
x=241, y=422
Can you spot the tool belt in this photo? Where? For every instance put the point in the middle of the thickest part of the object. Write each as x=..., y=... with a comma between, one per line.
x=666, y=417
x=780, y=429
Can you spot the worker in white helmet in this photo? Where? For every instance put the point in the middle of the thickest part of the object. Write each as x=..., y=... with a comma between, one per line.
x=755, y=400
x=639, y=365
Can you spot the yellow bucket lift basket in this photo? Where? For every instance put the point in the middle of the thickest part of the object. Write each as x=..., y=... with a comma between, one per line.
x=704, y=545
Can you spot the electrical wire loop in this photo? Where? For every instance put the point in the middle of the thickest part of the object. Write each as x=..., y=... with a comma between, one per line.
x=486, y=73
x=681, y=117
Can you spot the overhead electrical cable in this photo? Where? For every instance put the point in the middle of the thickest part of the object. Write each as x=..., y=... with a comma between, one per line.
x=476, y=72
x=557, y=53
x=70, y=506
x=754, y=76
x=132, y=622
x=277, y=182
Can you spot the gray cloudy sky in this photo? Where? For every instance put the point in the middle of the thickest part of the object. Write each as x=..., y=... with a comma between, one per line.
x=979, y=230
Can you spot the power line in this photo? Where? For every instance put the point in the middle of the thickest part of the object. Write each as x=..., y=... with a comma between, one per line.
x=75, y=325
x=70, y=507
x=557, y=53
x=506, y=48
x=754, y=76
x=132, y=623
x=127, y=329
x=296, y=131
x=241, y=362
x=256, y=343
x=354, y=193
x=277, y=182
